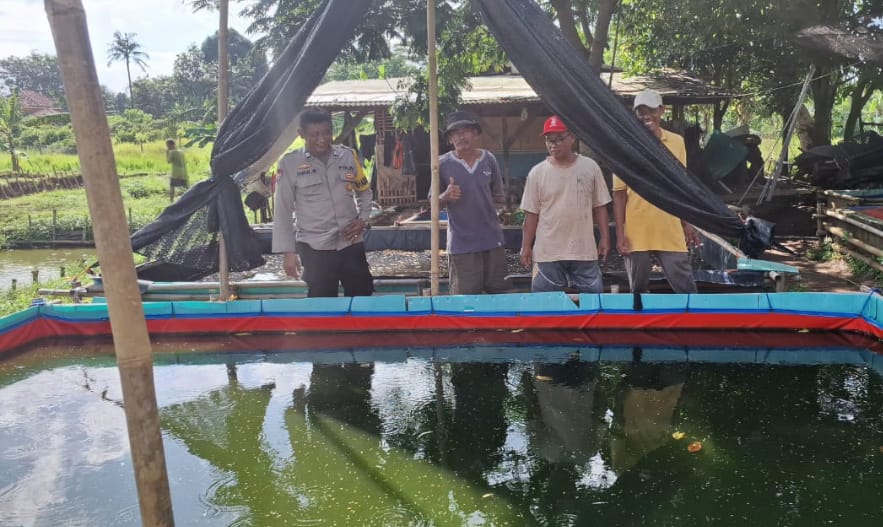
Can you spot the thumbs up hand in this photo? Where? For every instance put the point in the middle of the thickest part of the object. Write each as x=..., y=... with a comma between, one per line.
x=452, y=193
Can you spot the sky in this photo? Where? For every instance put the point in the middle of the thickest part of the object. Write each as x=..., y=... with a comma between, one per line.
x=164, y=28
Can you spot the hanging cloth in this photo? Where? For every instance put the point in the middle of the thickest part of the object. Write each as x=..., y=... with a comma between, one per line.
x=573, y=90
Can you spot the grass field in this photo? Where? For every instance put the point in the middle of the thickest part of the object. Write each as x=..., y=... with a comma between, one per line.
x=143, y=181
x=31, y=217
x=129, y=157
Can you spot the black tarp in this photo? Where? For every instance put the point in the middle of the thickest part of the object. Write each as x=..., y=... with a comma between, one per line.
x=182, y=243
x=572, y=89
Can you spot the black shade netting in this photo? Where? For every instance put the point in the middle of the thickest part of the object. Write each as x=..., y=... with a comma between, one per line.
x=573, y=90
x=182, y=243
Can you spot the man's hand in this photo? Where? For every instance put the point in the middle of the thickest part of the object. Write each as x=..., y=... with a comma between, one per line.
x=603, y=248
x=291, y=265
x=527, y=257
x=623, y=245
x=354, y=229
x=452, y=193
x=691, y=235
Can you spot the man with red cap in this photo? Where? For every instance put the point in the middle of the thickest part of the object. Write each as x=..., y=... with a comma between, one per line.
x=472, y=187
x=565, y=196
x=642, y=228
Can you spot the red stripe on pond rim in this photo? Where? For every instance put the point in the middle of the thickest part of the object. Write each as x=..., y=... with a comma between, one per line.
x=419, y=324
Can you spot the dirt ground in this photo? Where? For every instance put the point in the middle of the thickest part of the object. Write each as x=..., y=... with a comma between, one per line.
x=793, y=212
x=833, y=275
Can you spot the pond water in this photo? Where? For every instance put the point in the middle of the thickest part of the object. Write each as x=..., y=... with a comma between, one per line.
x=456, y=435
x=18, y=263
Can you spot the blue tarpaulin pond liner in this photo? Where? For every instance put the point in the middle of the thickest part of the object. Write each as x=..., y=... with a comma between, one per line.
x=860, y=313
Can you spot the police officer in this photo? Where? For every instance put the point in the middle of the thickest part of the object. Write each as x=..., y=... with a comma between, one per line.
x=324, y=187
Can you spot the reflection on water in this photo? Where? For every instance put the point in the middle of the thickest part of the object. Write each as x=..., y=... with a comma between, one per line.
x=406, y=439
x=18, y=263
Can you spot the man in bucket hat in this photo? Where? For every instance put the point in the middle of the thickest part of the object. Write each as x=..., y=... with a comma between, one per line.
x=471, y=188
x=565, y=196
x=642, y=228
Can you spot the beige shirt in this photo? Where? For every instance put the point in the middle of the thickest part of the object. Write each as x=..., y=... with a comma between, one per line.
x=564, y=198
x=323, y=198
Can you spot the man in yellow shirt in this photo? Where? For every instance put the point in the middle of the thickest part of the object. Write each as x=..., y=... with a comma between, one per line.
x=642, y=228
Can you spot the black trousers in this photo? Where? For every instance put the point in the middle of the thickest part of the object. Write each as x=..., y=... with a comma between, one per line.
x=324, y=270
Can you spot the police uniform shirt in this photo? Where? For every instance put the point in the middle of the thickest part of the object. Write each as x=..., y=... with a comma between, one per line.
x=323, y=198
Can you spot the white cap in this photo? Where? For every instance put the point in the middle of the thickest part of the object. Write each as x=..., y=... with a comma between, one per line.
x=648, y=98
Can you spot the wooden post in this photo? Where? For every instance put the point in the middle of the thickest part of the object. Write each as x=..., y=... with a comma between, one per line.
x=35, y=276
x=434, y=237
x=223, y=82
x=54, y=222
x=131, y=341
x=770, y=188
x=14, y=285
x=223, y=62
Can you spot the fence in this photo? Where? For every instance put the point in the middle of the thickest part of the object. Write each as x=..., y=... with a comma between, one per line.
x=16, y=185
x=854, y=221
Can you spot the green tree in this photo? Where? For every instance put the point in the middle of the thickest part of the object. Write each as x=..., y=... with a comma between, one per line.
x=36, y=72
x=247, y=64
x=399, y=64
x=194, y=78
x=134, y=126
x=11, y=118
x=865, y=82
x=280, y=20
x=744, y=46
x=465, y=47
x=124, y=48
x=585, y=24
x=223, y=61
x=156, y=95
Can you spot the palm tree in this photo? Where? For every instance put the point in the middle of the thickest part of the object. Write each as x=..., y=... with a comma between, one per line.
x=123, y=48
x=11, y=117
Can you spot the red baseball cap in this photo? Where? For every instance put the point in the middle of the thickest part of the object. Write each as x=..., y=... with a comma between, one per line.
x=554, y=125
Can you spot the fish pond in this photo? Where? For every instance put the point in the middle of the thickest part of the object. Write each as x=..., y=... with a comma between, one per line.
x=283, y=432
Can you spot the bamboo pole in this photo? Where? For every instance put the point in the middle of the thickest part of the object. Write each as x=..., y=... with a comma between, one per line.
x=852, y=221
x=858, y=256
x=770, y=188
x=223, y=83
x=131, y=342
x=433, y=148
x=845, y=236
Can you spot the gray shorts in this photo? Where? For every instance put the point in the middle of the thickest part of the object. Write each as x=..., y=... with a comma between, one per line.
x=675, y=265
x=480, y=272
x=582, y=275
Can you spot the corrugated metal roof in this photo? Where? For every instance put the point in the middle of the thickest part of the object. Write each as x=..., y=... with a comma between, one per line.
x=496, y=89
